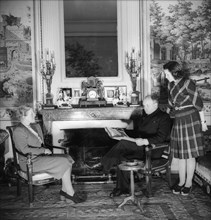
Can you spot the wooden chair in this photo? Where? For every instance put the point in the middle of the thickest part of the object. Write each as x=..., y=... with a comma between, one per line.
x=156, y=166
x=29, y=177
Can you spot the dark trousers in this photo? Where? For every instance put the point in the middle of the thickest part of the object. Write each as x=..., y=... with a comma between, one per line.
x=122, y=151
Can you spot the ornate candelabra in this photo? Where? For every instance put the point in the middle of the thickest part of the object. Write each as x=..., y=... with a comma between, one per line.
x=133, y=67
x=47, y=71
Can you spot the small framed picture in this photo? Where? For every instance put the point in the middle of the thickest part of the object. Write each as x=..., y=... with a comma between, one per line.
x=64, y=98
x=122, y=90
x=65, y=93
x=109, y=93
x=76, y=93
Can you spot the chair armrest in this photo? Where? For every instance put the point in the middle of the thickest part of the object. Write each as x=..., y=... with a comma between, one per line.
x=149, y=149
x=51, y=147
x=62, y=141
x=65, y=149
x=156, y=146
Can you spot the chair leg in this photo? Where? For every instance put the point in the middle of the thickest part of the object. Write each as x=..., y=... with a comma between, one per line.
x=168, y=173
x=31, y=194
x=18, y=186
x=148, y=179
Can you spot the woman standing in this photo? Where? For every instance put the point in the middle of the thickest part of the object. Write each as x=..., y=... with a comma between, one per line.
x=28, y=138
x=186, y=136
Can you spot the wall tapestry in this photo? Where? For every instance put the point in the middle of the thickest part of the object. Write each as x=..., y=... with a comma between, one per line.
x=15, y=53
x=180, y=30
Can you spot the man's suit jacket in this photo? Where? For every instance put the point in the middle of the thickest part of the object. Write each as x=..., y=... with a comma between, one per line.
x=155, y=127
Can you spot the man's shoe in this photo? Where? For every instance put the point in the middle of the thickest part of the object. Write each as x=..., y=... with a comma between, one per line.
x=97, y=165
x=176, y=189
x=185, y=191
x=138, y=193
x=118, y=192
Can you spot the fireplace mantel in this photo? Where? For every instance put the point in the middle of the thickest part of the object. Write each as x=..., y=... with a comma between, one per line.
x=81, y=114
x=57, y=120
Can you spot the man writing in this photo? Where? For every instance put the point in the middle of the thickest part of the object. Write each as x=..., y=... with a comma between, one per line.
x=153, y=127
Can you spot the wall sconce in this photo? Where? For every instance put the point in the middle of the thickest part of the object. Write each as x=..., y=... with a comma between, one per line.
x=47, y=70
x=133, y=67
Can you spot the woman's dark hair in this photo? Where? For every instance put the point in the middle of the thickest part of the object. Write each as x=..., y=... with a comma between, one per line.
x=176, y=69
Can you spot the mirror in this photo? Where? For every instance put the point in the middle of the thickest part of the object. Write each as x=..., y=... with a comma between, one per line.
x=91, y=38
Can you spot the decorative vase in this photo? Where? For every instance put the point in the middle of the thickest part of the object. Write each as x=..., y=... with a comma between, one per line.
x=135, y=98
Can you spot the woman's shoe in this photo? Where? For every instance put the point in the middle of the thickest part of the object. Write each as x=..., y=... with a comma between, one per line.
x=76, y=198
x=176, y=189
x=185, y=191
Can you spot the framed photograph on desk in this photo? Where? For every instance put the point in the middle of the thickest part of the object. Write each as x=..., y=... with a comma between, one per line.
x=64, y=98
x=118, y=93
x=76, y=93
x=109, y=92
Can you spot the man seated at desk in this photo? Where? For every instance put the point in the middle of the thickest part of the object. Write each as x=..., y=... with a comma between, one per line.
x=153, y=127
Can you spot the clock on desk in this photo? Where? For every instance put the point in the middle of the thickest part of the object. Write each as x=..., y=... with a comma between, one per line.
x=92, y=94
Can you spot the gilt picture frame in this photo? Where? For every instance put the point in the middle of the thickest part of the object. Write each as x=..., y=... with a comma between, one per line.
x=115, y=92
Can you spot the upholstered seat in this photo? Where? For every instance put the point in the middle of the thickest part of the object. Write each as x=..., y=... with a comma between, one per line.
x=40, y=178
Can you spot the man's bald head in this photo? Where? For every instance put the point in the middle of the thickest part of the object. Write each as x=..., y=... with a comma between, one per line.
x=150, y=104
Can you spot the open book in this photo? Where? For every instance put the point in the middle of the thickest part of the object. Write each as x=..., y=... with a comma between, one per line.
x=116, y=132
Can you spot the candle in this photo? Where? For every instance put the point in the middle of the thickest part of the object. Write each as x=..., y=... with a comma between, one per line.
x=53, y=57
x=52, y=54
x=40, y=63
x=126, y=57
x=133, y=53
x=47, y=54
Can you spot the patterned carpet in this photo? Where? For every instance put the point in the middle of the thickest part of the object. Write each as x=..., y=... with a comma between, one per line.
x=47, y=205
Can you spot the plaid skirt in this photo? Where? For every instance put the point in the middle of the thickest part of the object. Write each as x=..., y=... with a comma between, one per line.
x=186, y=135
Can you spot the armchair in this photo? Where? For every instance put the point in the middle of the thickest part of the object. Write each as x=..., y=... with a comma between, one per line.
x=159, y=165
x=29, y=176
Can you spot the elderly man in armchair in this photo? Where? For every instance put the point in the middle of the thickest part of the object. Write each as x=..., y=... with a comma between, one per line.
x=153, y=127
